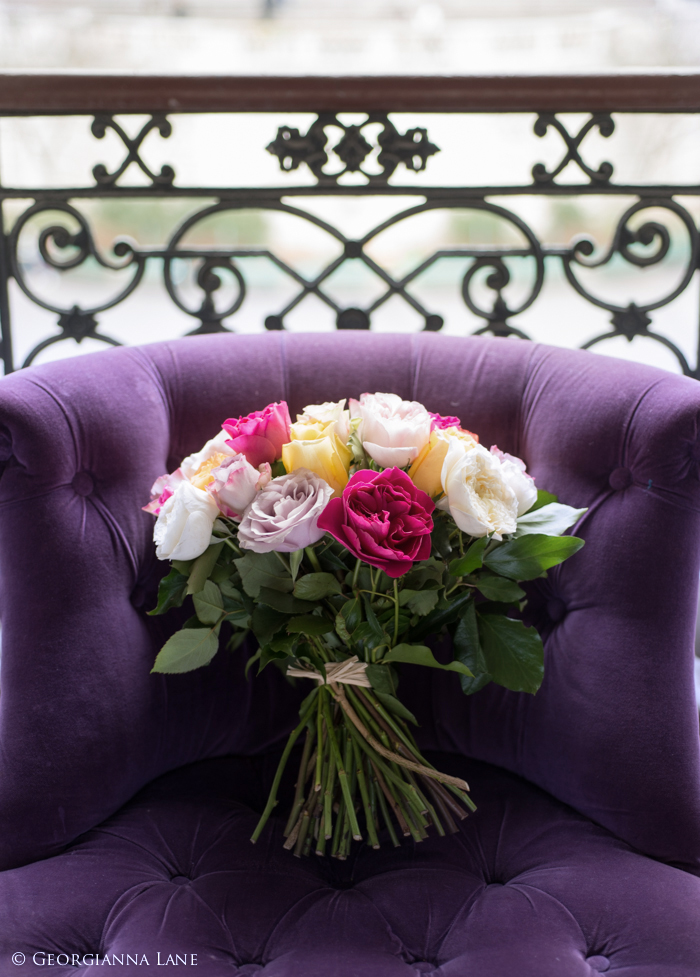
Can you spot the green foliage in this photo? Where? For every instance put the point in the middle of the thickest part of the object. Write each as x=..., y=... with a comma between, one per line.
x=530, y=556
x=295, y=559
x=172, y=591
x=419, y=602
x=498, y=588
x=309, y=624
x=202, y=567
x=383, y=679
x=391, y=703
x=208, y=604
x=263, y=570
x=441, y=536
x=422, y=655
x=468, y=650
x=266, y=622
x=543, y=498
x=316, y=586
x=186, y=650
x=285, y=603
x=472, y=559
x=552, y=519
x=513, y=653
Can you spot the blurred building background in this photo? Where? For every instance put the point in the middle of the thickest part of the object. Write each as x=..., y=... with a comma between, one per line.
x=348, y=36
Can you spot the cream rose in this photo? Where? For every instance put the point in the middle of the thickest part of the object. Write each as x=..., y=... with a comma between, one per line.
x=330, y=413
x=393, y=431
x=477, y=495
x=283, y=516
x=184, y=524
x=515, y=473
x=192, y=464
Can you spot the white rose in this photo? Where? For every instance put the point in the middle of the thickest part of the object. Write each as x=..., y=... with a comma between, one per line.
x=393, y=431
x=192, y=463
x=236, y=483
x=183, y=527
x=330, y=412
x=477, y=495
x=515, y=473
x=284, y=515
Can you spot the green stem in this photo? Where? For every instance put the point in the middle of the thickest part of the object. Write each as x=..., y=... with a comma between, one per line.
x=319, y=747
x=272, y=798
x=328, y=795
x=342, y=773
x=396, y=611
x=358, y=564
x=364, y=793
x=301, y=780
x=385, y=814
x=313, y=559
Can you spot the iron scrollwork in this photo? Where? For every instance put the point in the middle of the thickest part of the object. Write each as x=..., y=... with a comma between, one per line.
x=373, y=148
x=292, y=148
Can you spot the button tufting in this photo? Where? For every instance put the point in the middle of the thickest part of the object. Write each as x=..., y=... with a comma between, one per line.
x=424, y=967
x=180, y=880
x=598, y=963
x=83, y=483
x=620, y=478
x=138, y=596
x=248, y=969
x=556, y=609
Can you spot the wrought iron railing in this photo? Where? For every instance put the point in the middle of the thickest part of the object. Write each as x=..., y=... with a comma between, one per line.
x=376, y=150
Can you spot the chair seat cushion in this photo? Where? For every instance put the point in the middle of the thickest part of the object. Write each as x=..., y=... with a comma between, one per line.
x=528, y=887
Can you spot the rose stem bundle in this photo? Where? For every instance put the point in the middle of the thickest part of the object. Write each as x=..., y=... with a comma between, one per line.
x=341, y=775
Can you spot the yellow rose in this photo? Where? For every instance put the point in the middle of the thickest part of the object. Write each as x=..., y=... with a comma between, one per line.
x=327, y=457
x=202, y=477
x=309, y=429
x=427, y=468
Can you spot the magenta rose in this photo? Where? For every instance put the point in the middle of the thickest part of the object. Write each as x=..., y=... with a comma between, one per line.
x=260, y=435
x=383, y=519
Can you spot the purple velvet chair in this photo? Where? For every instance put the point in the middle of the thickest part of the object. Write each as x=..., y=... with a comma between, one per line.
x=127, y=799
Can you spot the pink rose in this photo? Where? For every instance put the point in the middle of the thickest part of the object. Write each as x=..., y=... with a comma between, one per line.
x=236, y=483
x=440, y=423
x=260, y=435
x=383, y=519
x=161, y=490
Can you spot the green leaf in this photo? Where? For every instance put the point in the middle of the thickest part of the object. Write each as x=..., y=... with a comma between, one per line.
x=543, y=498
x=316, y=586
x=309, y=624
x=434, y=622
x=427, y=571
x=202, y=567
x=471, y=560
x=441, y=538
x=229, y=589
x=266, y=622
x=252, y=660
x=498, y=588
x=513, y=653
x=237, y=639
x=351, y=613
x=552, y=520
x=419, y=602
x=172, y=591
x=267, y=655
x=286, y=643
x=182, y=566
x=187, y=650
x=208, y=604
x=394, y=705
x=263, y=570
x=331, y=558
x=383, y=679
x=278, y=469
x=529, y=556
x=295, y=559
x=467, y=649
x=284, y=602
x=341, y=629
x=372, y=622
x=422, y=655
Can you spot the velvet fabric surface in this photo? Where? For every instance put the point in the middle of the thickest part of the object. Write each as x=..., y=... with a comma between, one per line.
x=122, y=833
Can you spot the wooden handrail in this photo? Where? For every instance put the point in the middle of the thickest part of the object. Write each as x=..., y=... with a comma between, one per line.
x=75, y=92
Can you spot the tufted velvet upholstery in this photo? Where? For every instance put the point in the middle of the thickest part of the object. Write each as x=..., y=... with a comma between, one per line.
x=127, y=799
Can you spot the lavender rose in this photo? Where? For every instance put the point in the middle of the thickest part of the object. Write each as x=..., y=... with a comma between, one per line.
x=284, y=514
x=383, y=519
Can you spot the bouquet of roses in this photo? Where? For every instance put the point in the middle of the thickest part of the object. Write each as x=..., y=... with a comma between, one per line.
x=343, y=542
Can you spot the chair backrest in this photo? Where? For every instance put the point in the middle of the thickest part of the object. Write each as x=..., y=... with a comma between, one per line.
x=83, y=725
